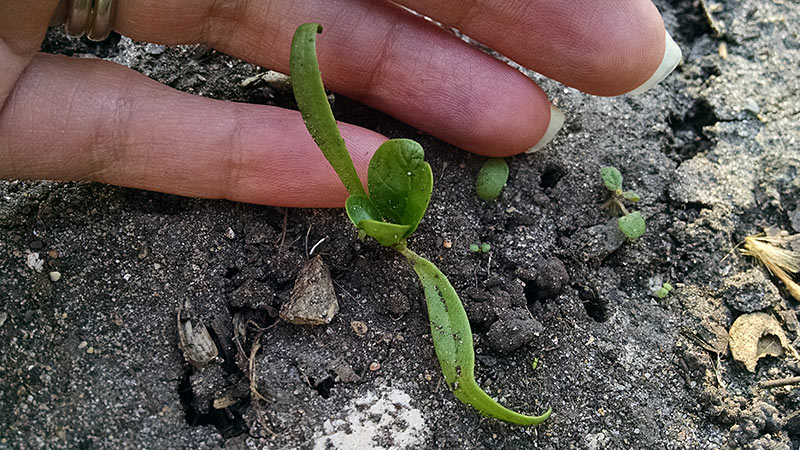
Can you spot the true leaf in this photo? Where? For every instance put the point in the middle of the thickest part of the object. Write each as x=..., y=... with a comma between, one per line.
x=612, y=179
x=631, y=196
x=400, y=182
x=632, y=225
x=315, y=109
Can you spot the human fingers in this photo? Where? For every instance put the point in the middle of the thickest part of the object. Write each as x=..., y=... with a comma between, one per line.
x=373, y=52
x=78, y=119
x=601, y=47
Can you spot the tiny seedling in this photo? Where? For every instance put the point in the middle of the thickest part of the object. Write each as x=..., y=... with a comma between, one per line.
x=480, y=248
x=400, y=183
x=631, y=223
x=664, y=290
x=491, y=179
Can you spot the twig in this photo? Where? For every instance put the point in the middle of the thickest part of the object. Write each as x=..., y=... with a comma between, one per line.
x=779, y=382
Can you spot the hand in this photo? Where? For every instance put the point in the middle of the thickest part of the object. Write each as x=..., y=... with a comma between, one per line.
x=76, y=119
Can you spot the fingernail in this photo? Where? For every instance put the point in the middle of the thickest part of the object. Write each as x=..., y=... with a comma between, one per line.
x=556, y=122
x=672, y=57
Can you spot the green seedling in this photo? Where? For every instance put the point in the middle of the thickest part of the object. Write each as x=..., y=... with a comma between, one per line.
x=482, y=248
x=491, y=179
x=400, y=183
x=664, y=290
x=631, y=223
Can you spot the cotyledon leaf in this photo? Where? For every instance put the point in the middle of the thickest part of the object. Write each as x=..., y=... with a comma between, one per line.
x=400, y=182
x=360, y=208
x=313, y=104
x=387, y=234
x=452, y=340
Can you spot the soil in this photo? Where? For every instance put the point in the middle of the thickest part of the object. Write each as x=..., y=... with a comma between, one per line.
x=92, y=359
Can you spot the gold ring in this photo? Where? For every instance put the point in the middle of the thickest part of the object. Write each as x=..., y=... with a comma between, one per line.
x=92, y=18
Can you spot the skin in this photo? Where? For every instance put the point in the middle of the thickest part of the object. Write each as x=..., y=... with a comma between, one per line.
x=65, y=118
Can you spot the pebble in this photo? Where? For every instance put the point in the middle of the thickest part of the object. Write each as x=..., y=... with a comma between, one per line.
x=359, y=327
x=230, y=234
x=3, y=318
x=447, y=243
x=374, y=366
x=55, y=276
x=83, y=344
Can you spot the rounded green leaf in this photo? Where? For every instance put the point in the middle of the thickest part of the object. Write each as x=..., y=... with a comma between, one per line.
x=486, y=247
x=491, y=179
x=474, y=248
x=400, y=182
x=611, y=178
x=632, y=225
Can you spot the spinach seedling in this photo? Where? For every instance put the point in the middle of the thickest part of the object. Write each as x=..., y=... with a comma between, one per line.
x=400, y=183
x=631, y=223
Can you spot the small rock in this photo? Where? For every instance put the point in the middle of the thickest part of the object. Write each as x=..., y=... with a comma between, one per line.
x=37, y=245
x=83, y=344
x=749, y=291
x=359, y=327
x=795, y=219
x=3, y=318
x=550, y=279
x=55, y=276
x=447, y=244
x=374, y=366
x=54, y=254
x=513, y=329
x=230, y=234
x=344, y=372
x=33, y=261
x=313, y=300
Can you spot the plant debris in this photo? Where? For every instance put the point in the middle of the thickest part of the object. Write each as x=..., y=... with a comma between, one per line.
x=756, y=335
x=777, y=260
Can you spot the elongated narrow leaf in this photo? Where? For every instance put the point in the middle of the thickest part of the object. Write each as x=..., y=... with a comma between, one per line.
x=452, y=340
x=313, y=103
x=400, y=182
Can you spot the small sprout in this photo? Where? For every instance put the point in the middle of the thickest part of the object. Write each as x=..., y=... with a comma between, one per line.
x=535, y=363
x=491, y=179
x=664, y=290
x=480, y=248
x=631, y=224
x=612, y=179
x=631, y=196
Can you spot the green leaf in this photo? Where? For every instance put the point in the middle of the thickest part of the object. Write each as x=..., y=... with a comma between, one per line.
x=486, y=247
x=387, y=234
x=612, y=179
x=632, y=225
x=315, y=109
x=631, y=196
x=400, y=182
x=491, y=179
x=452, y=340
x=474, y=248
x=360, y=208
